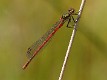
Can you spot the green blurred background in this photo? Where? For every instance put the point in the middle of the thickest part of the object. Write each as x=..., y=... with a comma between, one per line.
x=22, y=22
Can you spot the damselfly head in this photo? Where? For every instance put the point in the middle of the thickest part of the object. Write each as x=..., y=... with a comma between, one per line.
x=69, y=13
x=71, y=10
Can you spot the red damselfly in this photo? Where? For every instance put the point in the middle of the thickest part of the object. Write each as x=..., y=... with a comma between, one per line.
x=38, y=45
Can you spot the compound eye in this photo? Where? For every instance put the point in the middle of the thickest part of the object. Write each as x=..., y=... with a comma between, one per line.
x=72, y=11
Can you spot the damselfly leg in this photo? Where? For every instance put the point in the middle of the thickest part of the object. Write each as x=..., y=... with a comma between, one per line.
x=69, y=21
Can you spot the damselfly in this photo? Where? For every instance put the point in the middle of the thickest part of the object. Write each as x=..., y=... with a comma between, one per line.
x=38, y=45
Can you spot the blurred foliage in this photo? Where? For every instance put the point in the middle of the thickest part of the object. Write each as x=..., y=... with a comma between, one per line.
x=22, y=22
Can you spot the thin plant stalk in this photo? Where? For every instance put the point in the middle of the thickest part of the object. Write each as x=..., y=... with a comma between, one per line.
x=71, y=40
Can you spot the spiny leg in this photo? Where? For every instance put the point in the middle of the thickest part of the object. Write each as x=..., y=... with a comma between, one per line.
x=69, y=20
